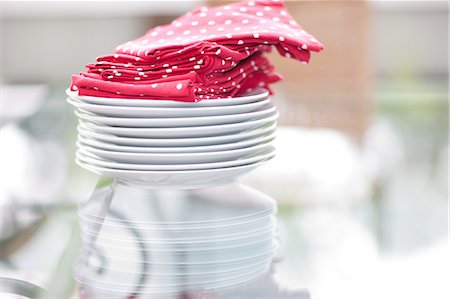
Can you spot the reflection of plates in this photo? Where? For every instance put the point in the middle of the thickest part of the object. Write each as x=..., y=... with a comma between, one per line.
x=216, y=207
x=189, y=252
x=100, y=263
x=152, y=273
x=176, y=286
x=110, y=224
x=157, y=278
x=216, y=237
x=137, y=259
x=187, y=237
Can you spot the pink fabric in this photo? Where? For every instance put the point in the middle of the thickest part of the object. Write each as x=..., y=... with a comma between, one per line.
x=207, y=53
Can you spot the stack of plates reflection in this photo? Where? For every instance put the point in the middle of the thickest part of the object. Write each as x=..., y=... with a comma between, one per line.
x=139, y=241
x=169, y=143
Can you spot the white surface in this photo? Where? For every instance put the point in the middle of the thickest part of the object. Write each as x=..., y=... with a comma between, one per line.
x=176, y=149
x=257, y=94
x=68, y=9
x=314, y=165
x=175, y=158
x=90, y=158
x=173, y=142
x=188, y=179
x=119, y=111
x=177, y=122
x=20, y=101
x=180, y=132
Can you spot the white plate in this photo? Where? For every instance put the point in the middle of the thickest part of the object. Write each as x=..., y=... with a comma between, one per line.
x=180, y=132
x=189, y=179
x=90, y=158
x=182, y=149
x=256, y=95
x=177, y=122
x=175, y=158
x=119, y=111
x=184, y=142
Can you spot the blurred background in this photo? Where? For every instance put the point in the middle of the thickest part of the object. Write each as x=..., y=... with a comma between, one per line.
x=361, y=173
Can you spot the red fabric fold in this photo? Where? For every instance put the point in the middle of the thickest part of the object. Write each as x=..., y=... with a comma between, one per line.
x=207, y=53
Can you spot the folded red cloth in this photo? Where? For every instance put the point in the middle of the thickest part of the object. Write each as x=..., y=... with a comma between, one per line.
x=252, y=22
x=207, y=53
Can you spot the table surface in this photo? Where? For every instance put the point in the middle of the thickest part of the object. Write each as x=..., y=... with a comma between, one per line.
x=353, y=217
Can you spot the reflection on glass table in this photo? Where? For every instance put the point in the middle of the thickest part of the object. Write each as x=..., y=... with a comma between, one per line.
x=351, y=216
x=134, y=242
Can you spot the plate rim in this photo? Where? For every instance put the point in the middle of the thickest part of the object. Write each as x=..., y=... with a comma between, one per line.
x=223, y=139
x=178, y=149
x=147, y=178
x=190, y=166
x=254, y=147
x=171, y=103
x=109, y=120
x=129, y=111
x=268, y=119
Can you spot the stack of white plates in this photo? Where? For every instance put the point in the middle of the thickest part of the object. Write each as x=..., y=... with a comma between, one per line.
x=169, y=143
x=215, y=238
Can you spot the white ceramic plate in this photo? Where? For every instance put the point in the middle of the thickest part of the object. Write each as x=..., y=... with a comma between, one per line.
x=256, y=95
x=176, y=149
x=177, y=122
x=188, y=179
x=90, y=158
x=119, y=111
x=175, y=158
x=183, y=142
x=180, y=132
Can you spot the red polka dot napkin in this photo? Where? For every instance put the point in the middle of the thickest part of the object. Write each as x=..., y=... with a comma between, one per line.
x=207, y=53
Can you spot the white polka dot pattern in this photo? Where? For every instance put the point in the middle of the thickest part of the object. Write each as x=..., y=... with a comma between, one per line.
x=208, y=53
